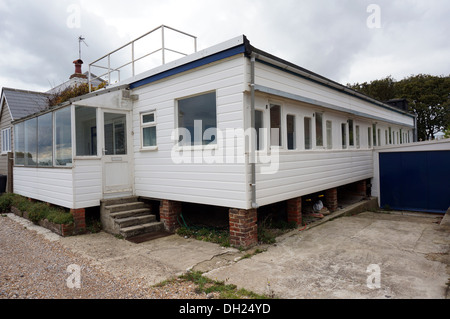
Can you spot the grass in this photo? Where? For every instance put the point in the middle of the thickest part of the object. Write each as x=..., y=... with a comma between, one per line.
x=207, y=286
x=36, y=210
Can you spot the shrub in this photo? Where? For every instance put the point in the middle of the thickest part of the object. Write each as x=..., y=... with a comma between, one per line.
x=36, y=210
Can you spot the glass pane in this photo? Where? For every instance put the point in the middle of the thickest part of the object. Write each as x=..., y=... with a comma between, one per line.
x=344, y=135
x=45, y=140
x=319, y=129
x=31, y=142
x=63, y=137
x=149, y=136
x=308, y=133
x=198, y=112
x=350, y=133
x=259, y=124
x=148, y=118
x=19, y=143
x=329, y=135
x=358, y=144
x=275, y=125
x=115, y=134
x=290, y=127
x=86, y=130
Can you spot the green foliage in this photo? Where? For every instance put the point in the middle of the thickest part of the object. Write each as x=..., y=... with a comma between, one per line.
x=36, y=210
x=226, y=291
x=428, y=96
x=72, y=92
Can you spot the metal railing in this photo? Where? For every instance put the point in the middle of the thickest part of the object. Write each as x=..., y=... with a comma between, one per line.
x=133, y=61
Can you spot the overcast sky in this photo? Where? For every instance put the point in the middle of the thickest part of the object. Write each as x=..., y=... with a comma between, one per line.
x=347, y=41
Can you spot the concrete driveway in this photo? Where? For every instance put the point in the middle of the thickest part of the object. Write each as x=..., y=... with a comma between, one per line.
x=370, y=255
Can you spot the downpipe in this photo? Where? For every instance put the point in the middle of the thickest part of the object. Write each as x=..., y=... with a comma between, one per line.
x=252, y=123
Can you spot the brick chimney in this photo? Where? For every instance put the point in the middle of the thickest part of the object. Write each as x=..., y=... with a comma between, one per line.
x=78, y=73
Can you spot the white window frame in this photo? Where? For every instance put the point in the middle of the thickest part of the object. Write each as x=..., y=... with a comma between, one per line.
x=146, y=125
x=6, y=140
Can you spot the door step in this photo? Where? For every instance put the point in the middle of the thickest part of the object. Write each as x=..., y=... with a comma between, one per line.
x=128, y=217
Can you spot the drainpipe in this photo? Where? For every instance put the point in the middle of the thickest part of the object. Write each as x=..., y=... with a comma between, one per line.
x=252, y=123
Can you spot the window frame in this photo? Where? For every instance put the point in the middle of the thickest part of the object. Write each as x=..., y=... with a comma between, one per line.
x=194, y=146
x=6, y=147
x=147, y=125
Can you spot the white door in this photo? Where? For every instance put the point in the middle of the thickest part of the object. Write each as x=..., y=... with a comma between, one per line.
x=117, y=178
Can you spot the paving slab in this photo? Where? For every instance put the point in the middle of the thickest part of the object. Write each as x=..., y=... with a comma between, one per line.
x=344, y=257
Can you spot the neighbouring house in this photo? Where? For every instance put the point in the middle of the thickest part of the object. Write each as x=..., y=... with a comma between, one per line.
x=15, y=104
x=230, y=126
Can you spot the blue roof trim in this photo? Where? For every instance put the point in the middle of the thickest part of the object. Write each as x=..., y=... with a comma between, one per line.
x=189, y=66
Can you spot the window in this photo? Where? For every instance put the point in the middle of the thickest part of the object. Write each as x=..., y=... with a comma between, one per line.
x=374, y=133
x=197, y=116
x=308, y=141
x=344, y=135
x=19, y=143
x=358, y=142
x=86, y=131
x=31, y=142
x=63, y=137
x=329, y=135
x=45, y=140
x=259, y=125
x=275, y=125
x=369, y=137
x=351, y=140
x=148, y=130
x=319, y=129
x=290, y=128
x=115, y=129
x=6, y=140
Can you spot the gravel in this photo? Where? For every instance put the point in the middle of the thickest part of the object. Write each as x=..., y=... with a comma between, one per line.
x=33, y=266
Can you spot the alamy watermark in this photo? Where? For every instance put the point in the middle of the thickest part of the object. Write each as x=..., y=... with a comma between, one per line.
x=74, y=19
x=229, y=146
x=374, y=19
x=374, y=278
x=74, y=280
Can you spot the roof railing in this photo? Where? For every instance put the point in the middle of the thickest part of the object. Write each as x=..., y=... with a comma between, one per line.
x=163, y=49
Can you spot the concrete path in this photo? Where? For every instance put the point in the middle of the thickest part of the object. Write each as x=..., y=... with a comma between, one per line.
x=371, y=255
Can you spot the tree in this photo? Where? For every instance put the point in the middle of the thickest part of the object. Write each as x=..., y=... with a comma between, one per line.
x=428, y=96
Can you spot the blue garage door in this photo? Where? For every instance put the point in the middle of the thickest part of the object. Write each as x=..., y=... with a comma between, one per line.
x=416, y=181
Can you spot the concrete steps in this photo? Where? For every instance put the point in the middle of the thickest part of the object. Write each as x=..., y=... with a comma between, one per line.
x=128, y=217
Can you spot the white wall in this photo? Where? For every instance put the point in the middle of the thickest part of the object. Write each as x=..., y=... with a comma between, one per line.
x=52, y=185
x=156, y=174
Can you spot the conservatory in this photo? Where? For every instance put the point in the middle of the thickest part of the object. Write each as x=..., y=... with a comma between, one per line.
x=61, y=155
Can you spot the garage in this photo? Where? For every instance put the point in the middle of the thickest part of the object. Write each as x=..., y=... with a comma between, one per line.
x=415, y=180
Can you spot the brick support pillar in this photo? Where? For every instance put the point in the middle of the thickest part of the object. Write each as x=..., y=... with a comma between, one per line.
x=169, y=212
x=79, y=219
x=361, y=188
x=294, y=210
x=243, y=227
x=331, y=199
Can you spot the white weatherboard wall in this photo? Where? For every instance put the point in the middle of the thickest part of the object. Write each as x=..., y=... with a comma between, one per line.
x=76, y=187
x=51, y=185
x=283, y=81
x=300, y=171
x=156, y=174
